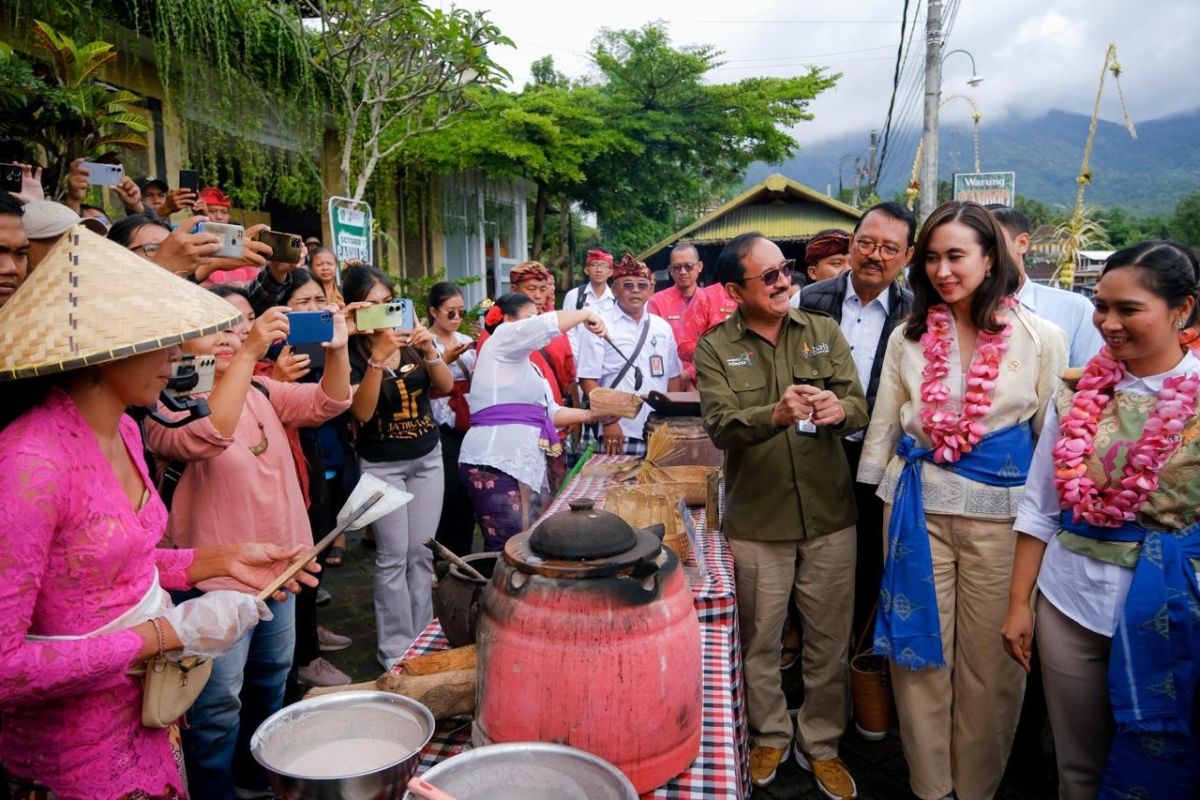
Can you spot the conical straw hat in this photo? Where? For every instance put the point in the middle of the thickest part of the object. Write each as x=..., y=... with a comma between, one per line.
x=92, y=301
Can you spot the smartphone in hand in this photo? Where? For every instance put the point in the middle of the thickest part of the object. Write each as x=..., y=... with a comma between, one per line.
x=285, y=247
x=103, y=174
x=395, y=313
x=189, y=179
x=309, y=327
x=232, y=237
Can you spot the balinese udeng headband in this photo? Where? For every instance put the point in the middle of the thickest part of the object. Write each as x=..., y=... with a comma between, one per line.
x=630, y=268
x=528, y=271
x=833, y=243
x=596, y=254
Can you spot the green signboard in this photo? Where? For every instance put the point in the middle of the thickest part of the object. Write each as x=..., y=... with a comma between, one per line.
x=350, y=223
x=986, y=187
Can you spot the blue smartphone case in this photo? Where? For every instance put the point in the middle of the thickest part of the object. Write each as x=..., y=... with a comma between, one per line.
x=309, y=327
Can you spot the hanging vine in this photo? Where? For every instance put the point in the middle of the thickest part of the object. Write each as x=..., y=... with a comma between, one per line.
x=253, y=109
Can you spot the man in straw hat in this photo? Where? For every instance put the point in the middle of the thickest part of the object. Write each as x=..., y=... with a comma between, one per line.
x=779, y=390
x=90, y=333
x=638, y=355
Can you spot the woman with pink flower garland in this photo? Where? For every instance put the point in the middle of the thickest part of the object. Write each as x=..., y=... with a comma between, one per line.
x=1110, y=532
x=965, y=384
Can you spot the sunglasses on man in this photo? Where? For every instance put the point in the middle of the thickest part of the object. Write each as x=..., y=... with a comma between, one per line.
x=770, y=277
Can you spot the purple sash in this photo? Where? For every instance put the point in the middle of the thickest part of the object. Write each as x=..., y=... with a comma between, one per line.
x=530, y=414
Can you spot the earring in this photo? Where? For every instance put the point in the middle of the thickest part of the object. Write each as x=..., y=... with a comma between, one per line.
x=1180, y=324
x=987, y=274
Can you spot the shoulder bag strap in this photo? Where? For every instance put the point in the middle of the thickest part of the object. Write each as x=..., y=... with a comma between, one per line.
x=637, y=351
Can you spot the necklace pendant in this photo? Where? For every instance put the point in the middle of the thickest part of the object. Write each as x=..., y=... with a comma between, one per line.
x=261, y=447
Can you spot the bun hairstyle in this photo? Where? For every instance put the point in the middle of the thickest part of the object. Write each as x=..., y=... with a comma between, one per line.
x=1168, y=269
x=507, y=305
x=986, y=301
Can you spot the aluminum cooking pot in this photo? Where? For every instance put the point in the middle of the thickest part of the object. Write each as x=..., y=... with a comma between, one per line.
x=348, y=746
x=529, y=771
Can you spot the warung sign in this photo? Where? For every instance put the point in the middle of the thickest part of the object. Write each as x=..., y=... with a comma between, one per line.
x=986, y=187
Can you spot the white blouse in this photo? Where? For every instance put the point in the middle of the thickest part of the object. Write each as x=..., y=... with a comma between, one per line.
x=460, y=370
x=1029, y=375
x=504, y=374
x=1089, y=591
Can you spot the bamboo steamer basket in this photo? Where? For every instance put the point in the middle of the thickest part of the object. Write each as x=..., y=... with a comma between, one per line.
x=695, y=480
x=614, y=403
x=641, y=509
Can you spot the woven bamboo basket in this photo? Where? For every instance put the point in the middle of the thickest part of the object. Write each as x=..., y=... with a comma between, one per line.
x=641, y=509
x=871, y=689
x=696, y=480
x=614, y=403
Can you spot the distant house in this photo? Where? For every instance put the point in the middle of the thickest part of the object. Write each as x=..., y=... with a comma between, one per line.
x=1088, y=264
x=785, y=211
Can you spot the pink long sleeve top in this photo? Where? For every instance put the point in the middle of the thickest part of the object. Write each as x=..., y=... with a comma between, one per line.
x=230, y=494
x=74, y=556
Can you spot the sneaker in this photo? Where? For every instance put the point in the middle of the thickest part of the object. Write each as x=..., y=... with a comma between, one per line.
x=320, y=672
x=764, y=762
x=324, y=598
x=832, y=777
x=331, y=642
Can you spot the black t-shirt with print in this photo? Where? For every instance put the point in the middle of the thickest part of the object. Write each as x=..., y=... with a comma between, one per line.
x=402, y=427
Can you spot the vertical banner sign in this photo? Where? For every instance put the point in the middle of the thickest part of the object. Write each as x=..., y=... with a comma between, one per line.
x=350, y=224
x=986, y=187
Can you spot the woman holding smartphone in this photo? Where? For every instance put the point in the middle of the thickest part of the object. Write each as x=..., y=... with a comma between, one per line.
x=394, y=372
x=962, y=393
x=456, y=528
x=1109, y=529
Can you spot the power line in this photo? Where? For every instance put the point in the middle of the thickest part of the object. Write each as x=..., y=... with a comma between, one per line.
x=780, y=21
x=900, y=65
x=811, y=55
x=821, y=63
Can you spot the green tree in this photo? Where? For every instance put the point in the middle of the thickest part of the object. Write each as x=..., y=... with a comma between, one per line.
x=395, y=70
x=62, y=108
x=691, y=139
x=1185, y=221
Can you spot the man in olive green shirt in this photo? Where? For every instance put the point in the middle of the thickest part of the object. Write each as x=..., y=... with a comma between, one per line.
x=778, y=387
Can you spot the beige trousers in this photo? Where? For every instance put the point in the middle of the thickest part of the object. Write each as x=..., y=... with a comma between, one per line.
x=957, y=723
x=1075, y=674
x=820, y=574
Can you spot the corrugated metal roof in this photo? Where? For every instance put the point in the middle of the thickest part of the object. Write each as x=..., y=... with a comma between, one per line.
x=778, y=207
x=780, y=221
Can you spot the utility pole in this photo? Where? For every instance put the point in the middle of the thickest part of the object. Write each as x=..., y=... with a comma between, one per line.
x=858, y=173
x=933, y=96
x=871, y=164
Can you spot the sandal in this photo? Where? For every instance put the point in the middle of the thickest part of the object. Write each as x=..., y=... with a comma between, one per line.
x=335, y=557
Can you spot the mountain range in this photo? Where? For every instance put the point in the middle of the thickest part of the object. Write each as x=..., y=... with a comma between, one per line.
x=1145, y=176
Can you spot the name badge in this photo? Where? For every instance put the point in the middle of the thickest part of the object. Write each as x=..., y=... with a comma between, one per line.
x=657, y=369
x=805, y=427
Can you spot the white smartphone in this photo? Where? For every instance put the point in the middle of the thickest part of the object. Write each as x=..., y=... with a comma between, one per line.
x=231, y=237
x=103, y=174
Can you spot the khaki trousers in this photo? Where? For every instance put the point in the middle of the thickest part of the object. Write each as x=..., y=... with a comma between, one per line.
x=1075, y=674
x=957, y=723
x=820, y=574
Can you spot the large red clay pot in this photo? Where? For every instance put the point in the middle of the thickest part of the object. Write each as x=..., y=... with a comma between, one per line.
x=589, y=638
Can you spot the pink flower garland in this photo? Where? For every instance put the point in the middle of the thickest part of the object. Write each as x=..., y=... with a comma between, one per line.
x=954, y=434
x=1113, y=505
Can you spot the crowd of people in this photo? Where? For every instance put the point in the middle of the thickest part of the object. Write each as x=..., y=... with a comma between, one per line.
x=922, y=446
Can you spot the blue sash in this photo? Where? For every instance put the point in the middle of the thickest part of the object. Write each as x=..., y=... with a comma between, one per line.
x=908, y=628
x=1153, y=666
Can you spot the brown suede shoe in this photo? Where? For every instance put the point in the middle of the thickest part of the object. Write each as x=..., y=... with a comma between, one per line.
x=832, y=777
x=764, y=761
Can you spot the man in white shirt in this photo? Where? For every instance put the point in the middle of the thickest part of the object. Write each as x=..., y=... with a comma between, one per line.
x=1069, y=311
x=594, y=294
x=645, y=340
x=868, y=303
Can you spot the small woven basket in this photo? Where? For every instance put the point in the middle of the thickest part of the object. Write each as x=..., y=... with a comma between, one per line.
x=641, y=509
x=871, y=687
x=614, y=403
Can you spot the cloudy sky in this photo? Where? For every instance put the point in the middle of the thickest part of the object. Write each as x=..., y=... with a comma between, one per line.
x=1033, y=54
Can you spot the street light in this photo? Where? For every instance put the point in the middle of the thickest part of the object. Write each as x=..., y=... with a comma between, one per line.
x=933, y=94
x=975, y=78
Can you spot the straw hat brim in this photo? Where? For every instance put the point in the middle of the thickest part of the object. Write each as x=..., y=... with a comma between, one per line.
x=91, y=301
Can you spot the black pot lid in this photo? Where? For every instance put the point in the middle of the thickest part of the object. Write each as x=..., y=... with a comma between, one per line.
x=582, y=533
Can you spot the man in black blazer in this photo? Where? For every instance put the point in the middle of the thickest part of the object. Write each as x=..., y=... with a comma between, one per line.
x=868, y=303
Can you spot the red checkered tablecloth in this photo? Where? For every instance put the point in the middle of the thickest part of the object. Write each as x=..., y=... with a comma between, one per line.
x=722, y=768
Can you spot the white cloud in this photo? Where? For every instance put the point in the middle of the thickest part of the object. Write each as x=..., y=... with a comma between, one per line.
x=1034, y=54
